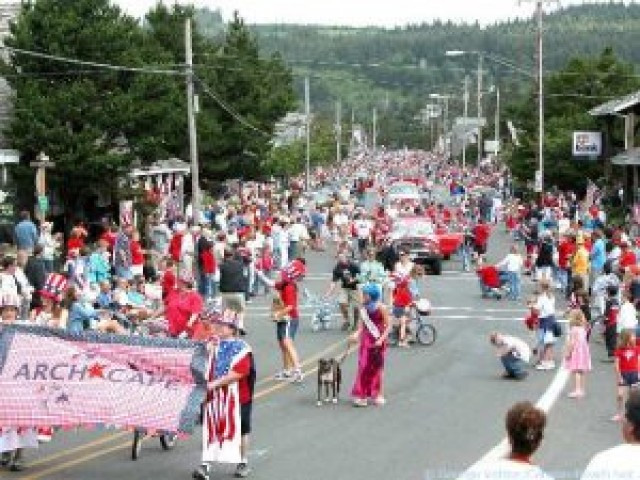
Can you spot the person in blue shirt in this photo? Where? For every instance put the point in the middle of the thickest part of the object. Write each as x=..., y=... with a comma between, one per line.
x=26, y=233
x=99, y=268
x=82, y=315
x=598, y=254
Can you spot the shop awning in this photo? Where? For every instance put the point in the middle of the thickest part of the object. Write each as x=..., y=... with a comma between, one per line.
x=628, y=158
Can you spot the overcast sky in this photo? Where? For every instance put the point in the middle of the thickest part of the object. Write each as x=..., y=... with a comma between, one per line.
x=359, y=12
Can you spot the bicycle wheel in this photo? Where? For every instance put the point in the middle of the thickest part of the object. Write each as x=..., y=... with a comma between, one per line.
x=426, y=334
x=168, y=441
x=136, y=446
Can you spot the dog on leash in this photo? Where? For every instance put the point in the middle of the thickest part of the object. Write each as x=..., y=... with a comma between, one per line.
x=329, y=380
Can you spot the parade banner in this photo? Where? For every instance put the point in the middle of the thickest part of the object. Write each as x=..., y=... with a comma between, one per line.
x=54, y=378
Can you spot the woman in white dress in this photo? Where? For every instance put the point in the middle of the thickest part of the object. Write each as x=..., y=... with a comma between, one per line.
x=12, y=440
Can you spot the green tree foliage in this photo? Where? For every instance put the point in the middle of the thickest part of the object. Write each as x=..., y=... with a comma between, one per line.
x=569, y=95
x=289, y=160
x=362, y=66
x=73, y=113
x=93, y=122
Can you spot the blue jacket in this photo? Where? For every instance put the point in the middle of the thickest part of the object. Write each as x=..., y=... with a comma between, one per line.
x=80, y=317
x=99, y=268
x=26, y=235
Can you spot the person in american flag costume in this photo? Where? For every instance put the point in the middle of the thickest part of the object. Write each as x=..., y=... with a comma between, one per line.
x=227, y=409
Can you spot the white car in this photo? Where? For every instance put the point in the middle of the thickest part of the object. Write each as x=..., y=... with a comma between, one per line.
x=403, y=192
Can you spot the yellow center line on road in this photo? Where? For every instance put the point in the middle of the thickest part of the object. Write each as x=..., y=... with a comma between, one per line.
x=311, y=359
x=77, y=461
x=102, y=440
x=121, y=446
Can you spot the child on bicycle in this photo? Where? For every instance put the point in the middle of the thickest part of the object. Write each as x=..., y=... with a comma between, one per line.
x=402, y=299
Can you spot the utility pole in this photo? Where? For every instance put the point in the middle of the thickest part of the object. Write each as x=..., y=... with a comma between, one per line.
x=464, y=125
x=497, y=129
x=540, y=104
x=191, y=116
x=539, y=178
x=338, y=132
x=375, y=129
x=480, y=65
x=307, y=116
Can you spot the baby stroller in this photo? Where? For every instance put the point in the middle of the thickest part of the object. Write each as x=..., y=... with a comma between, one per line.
x=322, y=310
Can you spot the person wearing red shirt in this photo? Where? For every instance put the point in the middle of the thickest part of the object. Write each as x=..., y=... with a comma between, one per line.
x=489, y=279
x=566, y=249
x=109, y=235
x=402, y=300
x=169, y=280
x=481, y=234
x=182, y=306
x=627, y=363
x=207, y=266
x=137, y=255
x=627, y=257
x=75, y=242
x=175, y=245
x=287, y=321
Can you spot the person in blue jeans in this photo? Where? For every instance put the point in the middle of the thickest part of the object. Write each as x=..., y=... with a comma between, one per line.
x=514, y=354
x=511, y=267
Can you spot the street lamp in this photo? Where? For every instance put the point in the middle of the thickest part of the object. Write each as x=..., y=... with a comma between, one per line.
x=527, y=73
x=481, y=55
x=445, y=98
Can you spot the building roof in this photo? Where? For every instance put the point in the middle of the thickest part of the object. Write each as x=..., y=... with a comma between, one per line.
x=627, y=158
x=171, y=165
x=617, y=105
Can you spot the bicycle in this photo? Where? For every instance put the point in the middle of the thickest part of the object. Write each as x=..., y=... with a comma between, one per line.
x=322, y=311
x=419, y=330
x=167, y=442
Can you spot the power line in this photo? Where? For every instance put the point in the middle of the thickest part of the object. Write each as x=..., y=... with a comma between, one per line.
x=228, y=109
x=108, y=66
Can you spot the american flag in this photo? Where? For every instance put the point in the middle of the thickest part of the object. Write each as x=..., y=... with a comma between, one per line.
x=222, y=410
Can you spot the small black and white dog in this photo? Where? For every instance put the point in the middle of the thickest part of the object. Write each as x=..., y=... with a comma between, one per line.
x=329, y=380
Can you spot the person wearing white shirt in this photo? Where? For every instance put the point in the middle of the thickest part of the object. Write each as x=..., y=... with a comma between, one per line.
x=283, y=241
x=50, y=245
x=627, y=318
x=525, y=430
x=363, y=228
x=512, y=264
x=622, y=461
x=564, y=224
x=297, y=233
x=545, y=305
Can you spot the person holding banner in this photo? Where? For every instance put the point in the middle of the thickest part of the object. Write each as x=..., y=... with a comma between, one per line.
x=230, y=378
x=372, y=332
x=13, y=440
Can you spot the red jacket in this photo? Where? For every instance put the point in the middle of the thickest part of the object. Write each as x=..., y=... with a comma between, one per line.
x=208, y=261
x=489, y=276
x=175, y=246
x=566, y=249
x=481, y=233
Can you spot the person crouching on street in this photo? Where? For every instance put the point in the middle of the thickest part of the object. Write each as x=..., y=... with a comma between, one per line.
x=231, y=377
x=514, y=354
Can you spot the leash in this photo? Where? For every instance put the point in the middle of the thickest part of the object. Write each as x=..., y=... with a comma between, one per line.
x=344, y=355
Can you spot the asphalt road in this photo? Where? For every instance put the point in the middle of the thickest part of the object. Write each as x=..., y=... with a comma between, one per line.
x=445, y=410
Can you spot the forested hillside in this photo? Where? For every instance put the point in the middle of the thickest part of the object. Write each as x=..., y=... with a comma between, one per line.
x=395, y=70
